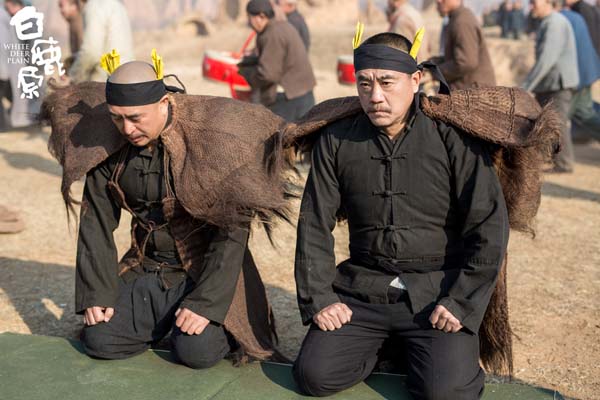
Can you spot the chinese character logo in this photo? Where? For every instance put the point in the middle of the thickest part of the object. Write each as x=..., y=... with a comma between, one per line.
x=29, y=25
x=22, y=23
x=47, y=56
x=30, y=82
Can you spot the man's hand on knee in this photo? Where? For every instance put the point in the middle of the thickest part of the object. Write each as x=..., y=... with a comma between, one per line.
x=443, y=320
x=95, y=315
x=189, y=322
x=333, y=317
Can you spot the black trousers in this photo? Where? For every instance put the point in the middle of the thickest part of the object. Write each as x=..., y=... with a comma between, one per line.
x=440, y=365
x=144, y=314
x=292, y=109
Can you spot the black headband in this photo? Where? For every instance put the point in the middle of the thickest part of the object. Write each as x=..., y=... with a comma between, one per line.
x=379, y=56
x=135, y=94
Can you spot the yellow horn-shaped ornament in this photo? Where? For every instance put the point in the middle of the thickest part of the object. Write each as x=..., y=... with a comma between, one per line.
x=360, y=27
x=414, y=50
x=110, y=61
x=158, y=64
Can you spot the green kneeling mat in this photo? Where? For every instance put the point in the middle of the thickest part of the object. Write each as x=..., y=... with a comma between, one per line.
x=46, y=368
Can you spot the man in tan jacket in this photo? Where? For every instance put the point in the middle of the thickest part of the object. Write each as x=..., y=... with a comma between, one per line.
x=466, y=62
x=280, y=74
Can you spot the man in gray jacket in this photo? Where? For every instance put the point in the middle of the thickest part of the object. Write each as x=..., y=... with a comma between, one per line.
x=555, y=76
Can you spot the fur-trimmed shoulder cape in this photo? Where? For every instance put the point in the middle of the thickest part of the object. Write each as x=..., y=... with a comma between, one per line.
x=525, y=136
x=222, y=151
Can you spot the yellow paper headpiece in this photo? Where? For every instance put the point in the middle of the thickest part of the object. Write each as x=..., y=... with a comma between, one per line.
x=110, y=61
x=414, y=50
x=360, y=27
x=158, y=64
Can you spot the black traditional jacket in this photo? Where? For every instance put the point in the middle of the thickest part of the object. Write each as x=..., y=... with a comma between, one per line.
x=426, y=207
x=143, y=182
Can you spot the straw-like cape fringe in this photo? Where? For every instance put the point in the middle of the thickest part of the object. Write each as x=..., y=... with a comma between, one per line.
x=230, y=152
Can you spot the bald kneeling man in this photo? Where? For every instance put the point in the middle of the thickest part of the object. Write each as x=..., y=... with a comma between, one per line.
x=125, y=312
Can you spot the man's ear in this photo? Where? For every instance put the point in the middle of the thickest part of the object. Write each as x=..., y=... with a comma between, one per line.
x=416, y=80
x=163, y=104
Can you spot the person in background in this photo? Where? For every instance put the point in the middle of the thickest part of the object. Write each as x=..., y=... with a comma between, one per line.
x=105, y=27
x=585, y=119
x=532, y=24
x=591, y=15
x=14, y=6
x=290, y=8
x=555, y=76
x=466, y=61
x=5, y=89
x=490, y=16
x=505, y=15
x=71, y=12
x=280, y=73
x=405, y=20
x=518, y=19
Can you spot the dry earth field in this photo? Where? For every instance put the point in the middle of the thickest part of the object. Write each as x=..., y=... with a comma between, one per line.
x=554, y=279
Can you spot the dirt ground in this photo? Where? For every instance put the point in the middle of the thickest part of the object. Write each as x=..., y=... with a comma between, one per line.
x=554, y=279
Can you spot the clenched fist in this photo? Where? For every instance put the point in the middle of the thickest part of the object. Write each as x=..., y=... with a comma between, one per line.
x=333, y=317
x=95, y=315
x=189, y=322
x=443, y=320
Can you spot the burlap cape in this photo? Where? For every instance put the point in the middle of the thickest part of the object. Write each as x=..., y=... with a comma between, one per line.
x=223, y=159
x=522, y=137
x=229, y=162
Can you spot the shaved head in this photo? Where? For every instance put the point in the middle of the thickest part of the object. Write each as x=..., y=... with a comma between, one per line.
x=133, y=72
x=137, y=102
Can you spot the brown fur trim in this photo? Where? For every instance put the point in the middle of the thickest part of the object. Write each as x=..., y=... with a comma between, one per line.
x=495, y=333
x=226, y=155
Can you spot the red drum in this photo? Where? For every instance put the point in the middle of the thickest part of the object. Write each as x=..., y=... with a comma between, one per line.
x=240, y=93
x=345, y=70
x=221, y=66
